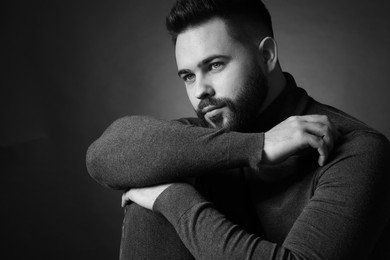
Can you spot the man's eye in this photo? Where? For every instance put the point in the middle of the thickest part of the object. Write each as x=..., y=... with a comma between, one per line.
x=215, y=65
x=189, y=77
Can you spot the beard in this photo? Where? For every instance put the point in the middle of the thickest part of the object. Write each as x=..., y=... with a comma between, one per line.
x=243, y=110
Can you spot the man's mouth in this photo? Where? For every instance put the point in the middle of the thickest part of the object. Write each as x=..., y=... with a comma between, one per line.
x=210, y=109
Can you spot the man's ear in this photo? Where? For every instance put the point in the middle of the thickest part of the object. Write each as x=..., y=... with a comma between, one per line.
x=268, y=54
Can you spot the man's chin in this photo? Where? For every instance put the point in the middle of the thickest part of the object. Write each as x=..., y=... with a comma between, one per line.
x=222, y=118
x=212, y=123
x=221, y=123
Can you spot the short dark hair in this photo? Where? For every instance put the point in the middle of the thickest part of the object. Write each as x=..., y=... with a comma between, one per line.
x=188, y=13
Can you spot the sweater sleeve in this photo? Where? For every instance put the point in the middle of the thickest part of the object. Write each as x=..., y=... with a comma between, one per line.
x=138, y=151
x=343, y=220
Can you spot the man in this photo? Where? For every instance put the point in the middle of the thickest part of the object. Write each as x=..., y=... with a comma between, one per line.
x=264, y=172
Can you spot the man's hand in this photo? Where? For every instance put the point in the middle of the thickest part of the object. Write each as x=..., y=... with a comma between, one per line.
x=145, y=197
x=298, y=133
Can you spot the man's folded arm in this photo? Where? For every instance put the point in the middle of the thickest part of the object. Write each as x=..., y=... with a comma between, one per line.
x=343, y=220
x=138, y=151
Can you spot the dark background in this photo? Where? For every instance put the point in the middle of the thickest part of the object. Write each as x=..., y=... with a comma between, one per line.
x=73, y=67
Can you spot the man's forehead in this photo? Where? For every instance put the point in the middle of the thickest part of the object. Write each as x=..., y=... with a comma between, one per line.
x=200, y=42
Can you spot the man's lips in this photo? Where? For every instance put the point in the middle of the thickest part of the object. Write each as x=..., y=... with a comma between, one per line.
x=210, y=108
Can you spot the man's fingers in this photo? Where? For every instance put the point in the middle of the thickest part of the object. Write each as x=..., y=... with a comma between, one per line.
x=125, y=198
x=297, y=133
x=319, y=144
x=315, y=119
x=123, y=201
x=318, y=119
x=323, y=131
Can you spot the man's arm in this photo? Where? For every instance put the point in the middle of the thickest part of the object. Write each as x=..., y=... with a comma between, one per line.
x=343, y=220
x=138, y=151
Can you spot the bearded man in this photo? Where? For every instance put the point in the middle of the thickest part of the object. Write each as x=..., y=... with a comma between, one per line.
x=263, y=172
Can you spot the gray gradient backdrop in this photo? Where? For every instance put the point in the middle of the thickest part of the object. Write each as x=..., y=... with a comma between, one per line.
x=73, y=67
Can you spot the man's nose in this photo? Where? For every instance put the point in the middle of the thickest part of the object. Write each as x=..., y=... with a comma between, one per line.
x=204, y=89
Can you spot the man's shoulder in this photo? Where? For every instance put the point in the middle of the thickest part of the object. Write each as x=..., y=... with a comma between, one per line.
x=358, y=137
x=343, y=121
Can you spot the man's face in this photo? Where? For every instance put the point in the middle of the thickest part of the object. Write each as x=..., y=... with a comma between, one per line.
x=222, y=76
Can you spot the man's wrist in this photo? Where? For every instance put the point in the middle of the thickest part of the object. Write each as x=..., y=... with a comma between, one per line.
x=246, y=149
x=174, y=201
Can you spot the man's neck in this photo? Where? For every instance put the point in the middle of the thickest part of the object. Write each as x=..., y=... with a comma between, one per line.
x=276, y=83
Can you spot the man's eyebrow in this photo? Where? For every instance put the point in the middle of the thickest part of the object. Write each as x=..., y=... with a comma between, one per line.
x=203, y=62
x=212, y=57
x=183, y=71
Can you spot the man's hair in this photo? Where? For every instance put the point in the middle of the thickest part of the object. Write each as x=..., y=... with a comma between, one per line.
x=189, y=13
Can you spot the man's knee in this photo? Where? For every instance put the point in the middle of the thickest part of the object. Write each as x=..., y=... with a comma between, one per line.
x=148, y=235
